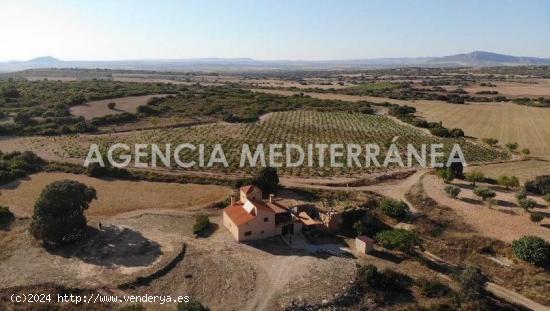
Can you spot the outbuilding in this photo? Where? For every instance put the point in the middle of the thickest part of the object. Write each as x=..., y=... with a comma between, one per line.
x=364, y=244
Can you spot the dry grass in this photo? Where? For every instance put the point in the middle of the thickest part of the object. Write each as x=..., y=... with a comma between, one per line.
x=115, y=196
x=531, y=88
x=99, y=108
x=507, y=122
x=524, y=170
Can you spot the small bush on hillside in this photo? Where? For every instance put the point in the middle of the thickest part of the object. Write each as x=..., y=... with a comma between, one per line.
x=512, y=146
x=5, y=214
x=192, y=305
x=521, y=195
x=394, y=209
x=532, y=249
x=456, y=133
x=527, y=204
x=432, y=289
x=536, y=217
x=540, y=185
x=490, y=141
x=484, y=193
x=452, y=191
x=474, y=176
x=547, y=198
x=446, y=174
x=398, y=239
x=134, y=307
x=508, y=181
x=202, y=222
x=111, y=105
x=472, y=281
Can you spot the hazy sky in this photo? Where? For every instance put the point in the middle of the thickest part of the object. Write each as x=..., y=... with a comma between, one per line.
x=277, y=29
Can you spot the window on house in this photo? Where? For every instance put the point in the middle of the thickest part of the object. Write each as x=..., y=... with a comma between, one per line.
x=266, y=219
x=247, y=233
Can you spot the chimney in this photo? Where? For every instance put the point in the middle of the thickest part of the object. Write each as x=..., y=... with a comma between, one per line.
x=271, y=198
x=232, y=200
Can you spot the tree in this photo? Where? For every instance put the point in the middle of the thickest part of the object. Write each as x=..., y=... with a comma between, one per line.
x=192, y=305
x=472, y=281
x=532, y=249
x=202, y=222
x=446, y=174
x=536, y=217
x=490, y=141
x=394, y=209
x=452, y=191
x=521, y=195
x=475, y=176
x=527, y=204
x=540, y=185
x=512, y=147
x=525, y=151
x=59, y=212
x=267, y=179
x=508, y=181
x=111, y=105
x=398, y=239
x=456, y=133
x=484, y=193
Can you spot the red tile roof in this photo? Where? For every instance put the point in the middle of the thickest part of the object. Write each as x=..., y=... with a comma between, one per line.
x=365, y=239
x=238, y=214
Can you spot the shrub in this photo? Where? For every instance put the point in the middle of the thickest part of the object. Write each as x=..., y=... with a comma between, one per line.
x=202, y=222
x=532, y=249
x=472, y=281
x=512, y=146
x=446, y=174
x=192, y=305
x=525, y=151
x=432, y=289
x=111, y=105
x=456, y=133
x=521, y=195
x=490, y=141
x=134, y=307
x=536, y=217
x=440, y=132
x=452, y=191
x=59, y=212
x=527, y=204
x=540, y=185
x=484, y=193
x=398, y=239
x=474, y=176
x=547, y=198
x=508, y=181
x=394, y=209
x=5, y=214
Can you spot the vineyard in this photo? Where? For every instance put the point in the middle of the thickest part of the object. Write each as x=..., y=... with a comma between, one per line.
x=297, y=127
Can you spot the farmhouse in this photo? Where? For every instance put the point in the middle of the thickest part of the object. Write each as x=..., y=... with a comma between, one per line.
x=251, y=218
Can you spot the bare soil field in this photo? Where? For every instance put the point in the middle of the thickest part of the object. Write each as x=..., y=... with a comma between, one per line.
x=524, y=170
x=114, y=196
x=99, y=108
x=531, y=88
x=507, y=122
x=503, y=221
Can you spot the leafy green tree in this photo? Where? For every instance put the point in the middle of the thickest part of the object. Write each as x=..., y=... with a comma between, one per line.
x=267, y=179
x=452, y=191
x=475, y=176
x=540, y=185
x=532, y=249
x=484, y=193
x=202, y=222
x=508, y=181
x=490, y=141
x=512, y=147
x=398, y=239
x=536, y=217
x=446, y=174
x=59, y=212
x=394, y=208
x=527, y=204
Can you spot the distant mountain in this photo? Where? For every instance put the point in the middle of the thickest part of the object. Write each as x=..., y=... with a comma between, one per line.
x=475, y=59
x=480, y=58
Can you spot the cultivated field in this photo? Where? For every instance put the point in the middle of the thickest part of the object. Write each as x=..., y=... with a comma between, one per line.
x=527, y=88
x=114, y=196
x=507, y=122
x=99, y=108
x=524, y=170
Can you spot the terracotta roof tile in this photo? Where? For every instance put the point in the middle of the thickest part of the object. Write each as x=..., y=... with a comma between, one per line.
x=238, y=214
